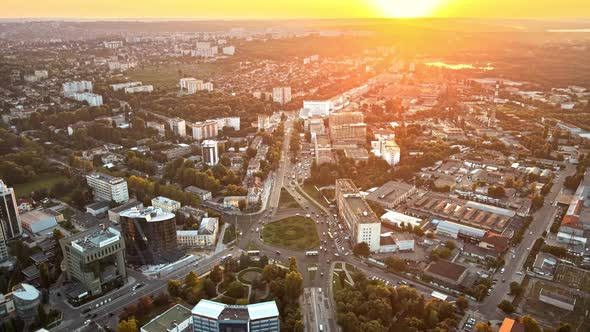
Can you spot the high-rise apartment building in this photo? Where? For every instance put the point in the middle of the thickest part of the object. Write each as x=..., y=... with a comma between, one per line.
x=263, y=122
x=108, y=188
x=203, y=130
x=150, y=235
x=95, y=258
x=386, y=149
x=210, y=152
x=348, y=126
x=363, y=223
x=69, y=88
x=9, y=216
x=177, y=126
x=281, y=95
x=209, y=316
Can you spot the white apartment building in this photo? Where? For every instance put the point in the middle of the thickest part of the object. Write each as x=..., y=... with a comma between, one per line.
x=113, y=44
x=232, y=122
x=281, y=95
x=192, y=85
x=204, y=130
x=229, y=50
x=386, y=149
x=178, y=126
x=140, y=88
x=205, y=236
x=317, y=108
x=108, y=188
x=91, y=98
x=41, y=74
x=160, y=127
x=69, y=88
x=358, y=215
x=210, y=152
x=122, y=86
x=263, y=122
x=165, y=204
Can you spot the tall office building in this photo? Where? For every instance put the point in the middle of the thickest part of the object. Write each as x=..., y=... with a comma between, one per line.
x=95, y=258
x=386, y=149
x=210, y=152
x=108, y=188
x=209, y=316
x=363, y=223
x=70, y=88
x=9, y=216
x=281, y=95
x=150, y=235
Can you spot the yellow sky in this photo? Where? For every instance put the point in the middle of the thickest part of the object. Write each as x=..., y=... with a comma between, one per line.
x=261, y=9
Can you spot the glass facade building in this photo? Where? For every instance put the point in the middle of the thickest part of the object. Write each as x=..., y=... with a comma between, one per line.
x=150, y=236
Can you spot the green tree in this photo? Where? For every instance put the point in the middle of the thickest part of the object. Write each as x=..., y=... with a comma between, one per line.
x=216, y=274
x=564, y=327
x=462, y=303
x=361, y=249
x=128, y=325
x=174, y=287
x=506, y=306
x=293, y=286
x=235, y=290
x=530, y=324
x=292, y=264
x=515, y=288
x=483, y=327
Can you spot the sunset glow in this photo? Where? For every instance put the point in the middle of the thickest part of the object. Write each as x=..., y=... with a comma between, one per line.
x=407, y=9
x=271, y=9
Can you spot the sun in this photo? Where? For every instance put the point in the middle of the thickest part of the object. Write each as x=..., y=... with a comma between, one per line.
x=406, y=8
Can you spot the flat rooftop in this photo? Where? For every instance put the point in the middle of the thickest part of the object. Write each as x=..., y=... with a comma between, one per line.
x=150, y=214
x=446, y=269
x=167, y=320
x=93, y=238
x=362, y=210
x=390, y=191
x=105, y=177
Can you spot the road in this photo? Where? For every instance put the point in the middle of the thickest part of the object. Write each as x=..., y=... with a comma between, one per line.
x=542, y=220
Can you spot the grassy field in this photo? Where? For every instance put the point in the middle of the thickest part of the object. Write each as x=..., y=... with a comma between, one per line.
x=313, y=193
x=230, y=234
x=287, y=201
x=573, y=277
x=248, y=275
x=167, y=75
x=296, y=232
x=39, y=182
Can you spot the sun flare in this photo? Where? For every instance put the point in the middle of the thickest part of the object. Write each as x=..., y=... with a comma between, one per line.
x=406, y=8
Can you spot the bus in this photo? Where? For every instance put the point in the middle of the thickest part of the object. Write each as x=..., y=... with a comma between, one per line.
x=253, y=252
x=330, y=235
x=226, y=257
x=311, y=253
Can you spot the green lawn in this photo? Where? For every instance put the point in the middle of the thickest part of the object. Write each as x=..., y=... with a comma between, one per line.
x=310, y=190
x=168, y=75
x=287, y=201
x=39, y=182
x=295, y=232
x=230, y=234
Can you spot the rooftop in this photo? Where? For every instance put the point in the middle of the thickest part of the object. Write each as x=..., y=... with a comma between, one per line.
x=150, y=214
x=26, y=292
x=96, y=237
x=220, y=311
x=390, y=191
x=446, y=270
x=168, y=319
x=511, y=325
x=130, y=204
x=105, y=177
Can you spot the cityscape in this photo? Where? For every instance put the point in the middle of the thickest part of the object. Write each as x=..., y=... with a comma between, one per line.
x=295, y=166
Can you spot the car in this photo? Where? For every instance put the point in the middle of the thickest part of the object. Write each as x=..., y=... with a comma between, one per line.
x=278, y=252
x=503, y=280
x=502, y=270
x=513, y=256
x=530, y=233
x=528, y=249
x=86, y=322
x=519, y=273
